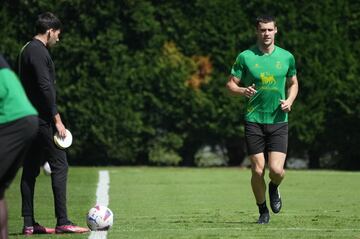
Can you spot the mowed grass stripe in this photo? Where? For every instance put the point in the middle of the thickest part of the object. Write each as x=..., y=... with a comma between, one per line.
x=205, y=203
x=251, y=228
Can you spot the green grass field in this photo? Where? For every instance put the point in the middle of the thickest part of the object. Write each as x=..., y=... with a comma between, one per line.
x=202, y=203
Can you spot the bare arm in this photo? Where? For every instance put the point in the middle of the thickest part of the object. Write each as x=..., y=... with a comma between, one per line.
x=59, y=125
x=293, y=88
x=233, y=87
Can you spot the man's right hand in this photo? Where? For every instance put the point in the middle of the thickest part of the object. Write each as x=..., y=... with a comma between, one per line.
x=60, y=126
x=250, y=91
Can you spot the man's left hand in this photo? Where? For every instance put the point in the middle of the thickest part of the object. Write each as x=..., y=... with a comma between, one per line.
x=285, y=105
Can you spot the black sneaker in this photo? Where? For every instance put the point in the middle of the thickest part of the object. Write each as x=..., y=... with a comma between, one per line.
x=275, y=199
x=264, y=218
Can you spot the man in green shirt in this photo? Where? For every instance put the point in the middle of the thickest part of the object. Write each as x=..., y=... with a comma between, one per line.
x=261, y=73
x=18, y=125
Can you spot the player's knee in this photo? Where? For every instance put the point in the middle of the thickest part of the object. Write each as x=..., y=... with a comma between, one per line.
x=277, y=172
x=258, y=171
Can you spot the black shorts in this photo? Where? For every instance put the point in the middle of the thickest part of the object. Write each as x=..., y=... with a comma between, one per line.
x=15, y=139
x=266, y=137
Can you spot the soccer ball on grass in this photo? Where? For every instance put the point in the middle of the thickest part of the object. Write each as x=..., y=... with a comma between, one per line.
x=99, y=218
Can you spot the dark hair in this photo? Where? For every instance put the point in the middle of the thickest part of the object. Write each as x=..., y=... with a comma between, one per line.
x=265, y=19
x=46, y=21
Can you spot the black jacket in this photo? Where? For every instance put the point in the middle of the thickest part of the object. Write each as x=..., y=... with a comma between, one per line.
x=37, y=73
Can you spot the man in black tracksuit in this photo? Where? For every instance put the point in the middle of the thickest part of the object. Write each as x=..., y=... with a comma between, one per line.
x=37, y=73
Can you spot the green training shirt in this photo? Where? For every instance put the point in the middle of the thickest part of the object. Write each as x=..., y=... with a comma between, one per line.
x=268, y=72
x=13, y=101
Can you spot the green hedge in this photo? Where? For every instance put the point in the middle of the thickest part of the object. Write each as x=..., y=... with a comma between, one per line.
x=133, y=72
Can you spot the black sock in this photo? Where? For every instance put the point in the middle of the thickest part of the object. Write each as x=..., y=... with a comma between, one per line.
x=29, y=221
x=272, y=186
x=262, y=207
x=62, y=221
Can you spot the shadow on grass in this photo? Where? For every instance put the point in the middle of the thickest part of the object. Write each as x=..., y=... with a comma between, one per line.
x=215, y=222
x=16, y=234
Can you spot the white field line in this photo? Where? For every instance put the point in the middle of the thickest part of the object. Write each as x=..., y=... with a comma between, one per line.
x=102, y=198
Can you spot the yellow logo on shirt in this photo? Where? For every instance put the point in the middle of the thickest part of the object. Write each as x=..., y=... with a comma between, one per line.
x=267, y=78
